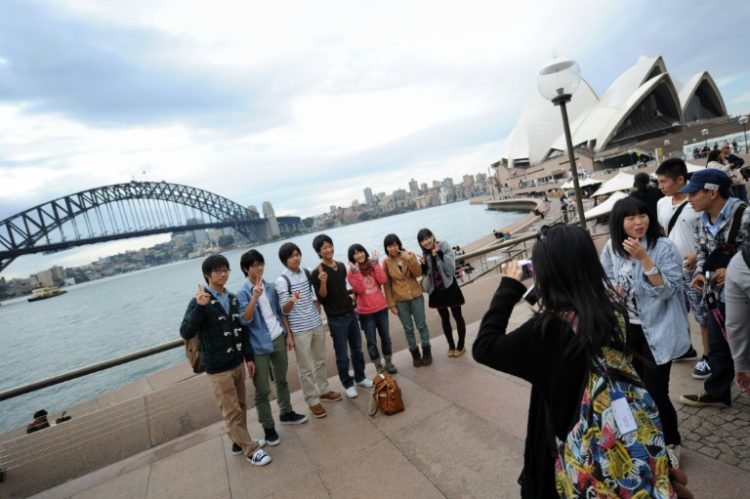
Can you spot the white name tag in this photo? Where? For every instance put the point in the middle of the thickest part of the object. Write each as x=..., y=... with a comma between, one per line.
x=623, y=415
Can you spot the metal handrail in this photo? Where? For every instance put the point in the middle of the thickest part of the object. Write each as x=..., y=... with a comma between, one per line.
x=147, y=352
x=93, y=368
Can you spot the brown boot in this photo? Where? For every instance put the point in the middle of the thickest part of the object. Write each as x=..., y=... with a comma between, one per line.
x=415, y=356
x=426, y=355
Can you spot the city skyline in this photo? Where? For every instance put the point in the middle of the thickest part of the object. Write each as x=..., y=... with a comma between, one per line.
x=29, y=265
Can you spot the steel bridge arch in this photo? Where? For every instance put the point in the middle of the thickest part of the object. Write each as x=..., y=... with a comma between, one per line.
x=20, y=233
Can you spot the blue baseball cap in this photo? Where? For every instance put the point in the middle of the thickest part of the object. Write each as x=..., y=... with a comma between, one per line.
x=710, y=179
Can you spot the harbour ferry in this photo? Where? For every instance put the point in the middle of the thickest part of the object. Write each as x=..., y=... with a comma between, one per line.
x=45, y=292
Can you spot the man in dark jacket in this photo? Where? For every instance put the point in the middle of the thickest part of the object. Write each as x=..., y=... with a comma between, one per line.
x=213, y=315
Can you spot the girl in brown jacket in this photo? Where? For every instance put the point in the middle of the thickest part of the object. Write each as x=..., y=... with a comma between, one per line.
x=404, y=296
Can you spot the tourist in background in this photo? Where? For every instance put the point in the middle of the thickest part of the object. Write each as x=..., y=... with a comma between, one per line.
x=404, y=296
x=738, y=310
x=213, y=316
x=646, y=192
x=308, y=333
x=677, y=219
x=439, y=269
x=329, y=282
x=269, y=338
x=734, y=164
x=718, y=159
x=366, y=278
x=723, y=226
x=646, y=270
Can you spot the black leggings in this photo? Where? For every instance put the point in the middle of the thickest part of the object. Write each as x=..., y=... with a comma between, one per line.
x=448, y=330
x=656, y=379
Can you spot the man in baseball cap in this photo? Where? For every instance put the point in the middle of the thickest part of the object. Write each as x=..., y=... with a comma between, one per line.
x=723, y=226
x=709, y=179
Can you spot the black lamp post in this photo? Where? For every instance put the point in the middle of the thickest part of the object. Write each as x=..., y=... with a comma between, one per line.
x=704, y=132
x=743, y=121
x=557, y=81
x=666, y=147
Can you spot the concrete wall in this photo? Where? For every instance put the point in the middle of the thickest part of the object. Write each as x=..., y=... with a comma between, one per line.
x=119, y=424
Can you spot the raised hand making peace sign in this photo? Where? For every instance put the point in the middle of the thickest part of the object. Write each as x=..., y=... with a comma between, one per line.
x=202, y=298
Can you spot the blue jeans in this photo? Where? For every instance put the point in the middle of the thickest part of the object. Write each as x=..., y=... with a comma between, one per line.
x=347, y=337
x=414, y=308
x=370, y=322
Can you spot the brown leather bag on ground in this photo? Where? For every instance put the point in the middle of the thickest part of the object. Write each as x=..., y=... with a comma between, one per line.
x=386, y=395
x=193, y=354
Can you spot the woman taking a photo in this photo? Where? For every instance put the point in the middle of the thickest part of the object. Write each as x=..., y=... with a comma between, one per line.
x=439, y=268
x=366, y=277
x=404, y=296
x=576, y=327
x=646, y=270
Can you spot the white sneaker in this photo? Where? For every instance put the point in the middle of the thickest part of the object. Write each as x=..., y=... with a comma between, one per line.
x=673, y=451
x=259, y=458
x=351, y=392
x=366, y=383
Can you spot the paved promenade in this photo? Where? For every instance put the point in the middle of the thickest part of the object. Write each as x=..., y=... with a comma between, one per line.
x=460, y=436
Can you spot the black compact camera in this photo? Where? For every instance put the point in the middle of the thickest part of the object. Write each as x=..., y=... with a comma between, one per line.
x=527, y=270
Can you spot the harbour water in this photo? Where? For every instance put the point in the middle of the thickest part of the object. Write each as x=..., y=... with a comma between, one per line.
x=102, y=319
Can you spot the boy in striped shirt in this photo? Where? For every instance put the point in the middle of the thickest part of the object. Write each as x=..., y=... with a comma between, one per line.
x=307, y=336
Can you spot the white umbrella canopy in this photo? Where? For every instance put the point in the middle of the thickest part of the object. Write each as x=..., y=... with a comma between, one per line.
x=605, y=207
x=581, y=183
x=620, y=182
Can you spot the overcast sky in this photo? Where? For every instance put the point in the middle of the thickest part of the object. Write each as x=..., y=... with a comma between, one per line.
x=305, y=103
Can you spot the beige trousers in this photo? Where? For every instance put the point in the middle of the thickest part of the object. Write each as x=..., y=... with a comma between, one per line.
x=310, y=349
x=229, y=389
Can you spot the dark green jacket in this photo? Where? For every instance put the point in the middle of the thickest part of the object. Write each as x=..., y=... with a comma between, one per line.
x=224, y=341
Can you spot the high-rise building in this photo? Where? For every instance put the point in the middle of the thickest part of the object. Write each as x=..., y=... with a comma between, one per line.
x=468, y=181
x=423, y=187
x=199, y=235
x=448, y=182
x=413, y=188
x=369, y=199
x=273, y=225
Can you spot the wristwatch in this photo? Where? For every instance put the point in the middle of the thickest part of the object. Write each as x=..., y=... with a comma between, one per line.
x=654, y=270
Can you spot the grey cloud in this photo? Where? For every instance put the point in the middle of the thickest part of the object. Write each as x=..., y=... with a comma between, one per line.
x=105, y=74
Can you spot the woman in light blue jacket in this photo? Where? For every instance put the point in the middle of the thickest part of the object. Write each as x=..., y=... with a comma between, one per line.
x=646, y=268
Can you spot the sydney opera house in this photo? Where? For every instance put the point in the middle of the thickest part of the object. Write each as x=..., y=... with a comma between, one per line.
x=645, y=101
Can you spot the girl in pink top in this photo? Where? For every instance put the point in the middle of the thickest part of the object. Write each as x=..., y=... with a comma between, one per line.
x=366, y=277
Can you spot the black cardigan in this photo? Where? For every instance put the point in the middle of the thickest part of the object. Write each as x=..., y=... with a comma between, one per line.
x=556, y=380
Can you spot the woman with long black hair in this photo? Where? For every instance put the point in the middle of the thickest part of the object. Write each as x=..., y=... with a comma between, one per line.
x=578, y=323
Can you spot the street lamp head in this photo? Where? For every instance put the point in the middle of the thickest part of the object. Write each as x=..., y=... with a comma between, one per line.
x=666, y=142
x=704, y=132
x=558, y=78
x=742, y=120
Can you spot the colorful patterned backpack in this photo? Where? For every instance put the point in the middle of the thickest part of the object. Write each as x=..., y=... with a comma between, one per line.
x=616, y=447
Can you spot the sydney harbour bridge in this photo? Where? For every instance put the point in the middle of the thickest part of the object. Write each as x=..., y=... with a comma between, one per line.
x=128, y=210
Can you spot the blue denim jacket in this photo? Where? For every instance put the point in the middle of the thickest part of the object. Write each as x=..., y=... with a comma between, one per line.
x=662, y=309
x=260, y=335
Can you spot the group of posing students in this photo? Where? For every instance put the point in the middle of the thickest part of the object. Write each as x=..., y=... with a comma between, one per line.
x=633, y=305
x=263, y=321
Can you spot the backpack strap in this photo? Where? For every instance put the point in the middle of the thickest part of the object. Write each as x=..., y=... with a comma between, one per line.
x=676, y=215
x=288, y=283
x=736, y=221
x=746, y=255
